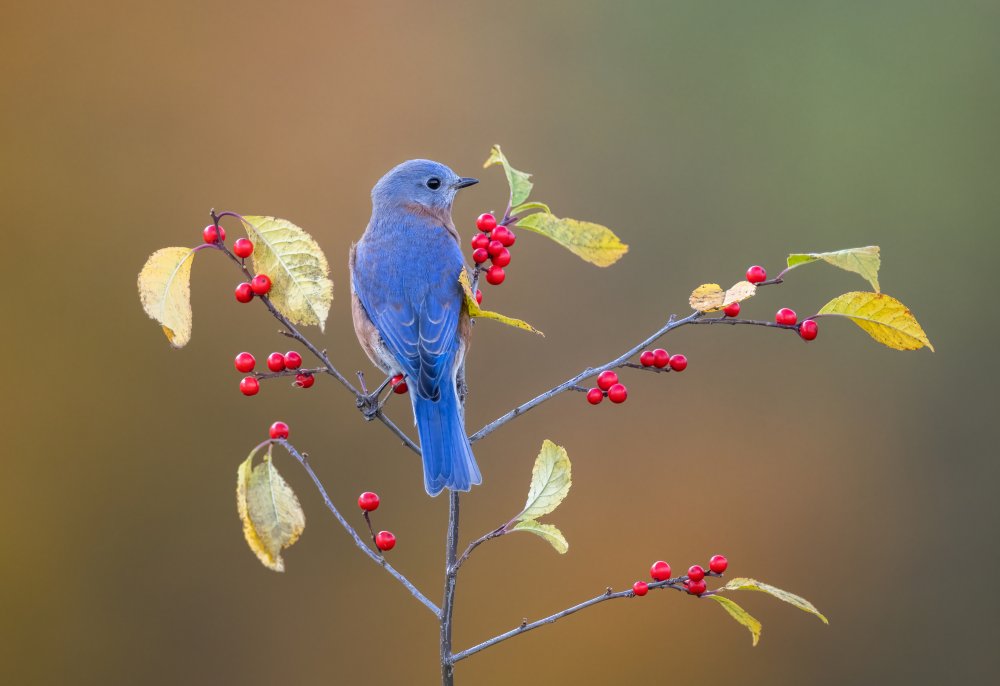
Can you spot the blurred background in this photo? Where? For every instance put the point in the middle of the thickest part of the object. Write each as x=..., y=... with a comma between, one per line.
x=710, y=136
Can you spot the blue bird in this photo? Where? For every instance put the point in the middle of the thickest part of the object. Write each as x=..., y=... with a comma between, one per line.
x=409, y=309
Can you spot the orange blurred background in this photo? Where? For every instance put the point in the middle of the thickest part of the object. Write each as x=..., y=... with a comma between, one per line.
x=710, y=137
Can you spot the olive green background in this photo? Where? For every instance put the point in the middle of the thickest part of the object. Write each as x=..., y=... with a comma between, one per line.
x=711, y=136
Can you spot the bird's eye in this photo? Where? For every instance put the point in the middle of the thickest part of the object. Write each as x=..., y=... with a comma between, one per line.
x=434, y=183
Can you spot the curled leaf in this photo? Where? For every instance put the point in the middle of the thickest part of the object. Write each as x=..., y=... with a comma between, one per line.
x=864, y=261
x=165, y=292
x=546, y=531
x=527, y=207
x=272, y=517
x=476, y=312
x=883, y=317
x=710, y=297
x=744, y=584
x=740, y=615
x=592, y=242
x=551, y=478
x=520, y=185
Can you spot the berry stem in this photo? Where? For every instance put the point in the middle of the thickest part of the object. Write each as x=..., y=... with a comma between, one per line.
x=371, y=530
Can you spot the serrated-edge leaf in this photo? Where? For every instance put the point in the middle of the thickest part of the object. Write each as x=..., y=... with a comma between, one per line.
x=885, y=319
x=165, y=292
x=547, y=531
x=740, y=615
x=746, y=584
x=476, y=312
x=551, y=478
x=591, y=242
x=864, y=261
x=519, y=181
x=275, y=525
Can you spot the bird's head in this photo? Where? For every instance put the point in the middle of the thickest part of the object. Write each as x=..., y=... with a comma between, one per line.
x=430, y=185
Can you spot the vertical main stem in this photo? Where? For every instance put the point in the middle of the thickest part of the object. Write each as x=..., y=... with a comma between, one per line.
x=448, y=603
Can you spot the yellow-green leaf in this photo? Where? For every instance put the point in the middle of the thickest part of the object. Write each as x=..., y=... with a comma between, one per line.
x=526, y=207
x=165, y=292
x=709, y=297
x=883, y=317
x=743, y=584
x=592, y=242
x=551, y=478
x=520, y=185
x=740, y=615
x=547, y=531
x=272, y=517
x=864, y=261
x=301, y=289
x=475, y=311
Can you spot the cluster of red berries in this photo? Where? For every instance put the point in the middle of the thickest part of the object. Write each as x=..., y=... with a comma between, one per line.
x=492, y=243
x=276, y=362
x=243, y=248
x=808, y=329
x=368, y=502
x=607, y=385
x=258, y=285
x=661, y=359
x=694, y=582
x=398, y=384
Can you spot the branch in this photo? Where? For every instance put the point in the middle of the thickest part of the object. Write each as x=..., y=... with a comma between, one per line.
x=450, y=579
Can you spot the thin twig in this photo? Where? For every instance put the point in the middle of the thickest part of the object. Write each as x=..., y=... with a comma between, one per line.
x=450, y=579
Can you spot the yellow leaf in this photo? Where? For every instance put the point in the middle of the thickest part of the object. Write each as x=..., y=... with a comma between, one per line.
x=592, y=242
x=740, y=615
x=477, y=312
x=884, y=318
x=272, y=517
x=743, y=584
x=710, y=297
x=550, y=482
x=864, y=261
x=547, y=531
x=520, y=185
x=165, y=292
x=301, y=289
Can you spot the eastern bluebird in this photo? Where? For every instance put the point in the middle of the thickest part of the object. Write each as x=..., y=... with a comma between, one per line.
x=409, y=309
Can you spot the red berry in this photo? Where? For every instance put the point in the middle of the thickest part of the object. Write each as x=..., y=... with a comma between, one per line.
x=292, y=360
x=243, y=247
x=494, y=248
x=661, y=358
x=808, y=330
x=786, y=316
x=304, y=380
x=261, y=284
x=244, y=293
x=486, y=222
x=495, y=275
x=606, y=380
x=249, y=386
x=696, y=587
x=245, y=362
x=718, y=564
x=504, y=235
x=480, y=255
x=595, y=396
x=385, y=540
x=640, y=588
x=647, y=358
x=368, y=501
x=480, y=240
x=279, y=430
x=398, y=384
x=502, y=258
x=479, y=297
x=276, y=362
x=678, y=363
x=617, y=393
x=696, y=573
x=660, y=571
x=212, y=233
x=756, y=274
x=732, y=310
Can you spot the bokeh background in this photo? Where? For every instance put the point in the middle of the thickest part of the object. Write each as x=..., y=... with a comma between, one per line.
x=710, y=135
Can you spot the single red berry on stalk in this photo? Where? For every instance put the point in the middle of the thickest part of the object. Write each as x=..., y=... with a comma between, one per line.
x=292, y=360
x=244, y=293
x=661, y=358
x=718, y=564
x=245, y=362
x=486, y=222
x=304, y=380
x=479, y=297
x=502, y=258
x=494, y=248
x=595, y=396
x=808, y=330
x=243, y=248
x=261, y=284
x=678, y=363
x=495, y=275
x=398, y=384
x=504, y=235
x=279, y=430
x=696, y=573
x=480, y=255
x=249, y=386
x=617, y=393
x=213, y=234
x=385, y=540
x=606, y=380
x=276, y=362
x=786, y=316
x=660, y=571
x=696, y=587
x=480, y=240
x=647, y=358
x=732, y=310
x=756, y=274
x=368, y=501
x=640, y=588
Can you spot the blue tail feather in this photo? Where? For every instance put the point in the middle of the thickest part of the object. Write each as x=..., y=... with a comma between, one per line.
x=447, y=454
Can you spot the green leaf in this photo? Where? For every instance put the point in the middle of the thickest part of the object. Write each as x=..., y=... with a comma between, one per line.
x=743, y=584
x=477, y=312
x=527, y=207
x=592, y=242
x=883, y=317
x=546, y=531
x=864, y=261
x=272, y=517
x=301, y=289
x=520, y=185
x=740, y=615
x=550, y=482
x=165, y=292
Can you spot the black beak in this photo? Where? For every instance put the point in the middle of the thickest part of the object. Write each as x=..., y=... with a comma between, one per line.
x=465, y=182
